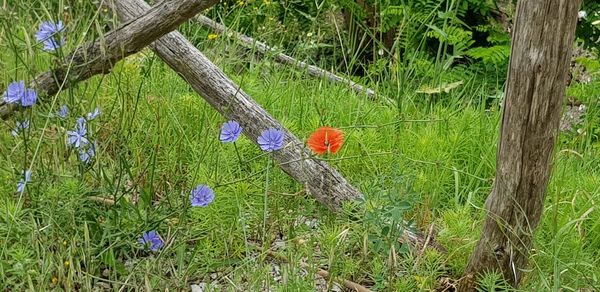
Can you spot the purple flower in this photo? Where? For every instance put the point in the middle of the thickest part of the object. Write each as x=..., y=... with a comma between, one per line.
x=271, y=140
x=230, y=132
x=29, y=98
x=86, y=155
x=14, y=92
x=21, y=126
x=47, y=35
x=63, y=112
x=26, y=178
x=77, y=136
x=17, y=93
x=201, y=196
x=151, y=240
x=94, y=114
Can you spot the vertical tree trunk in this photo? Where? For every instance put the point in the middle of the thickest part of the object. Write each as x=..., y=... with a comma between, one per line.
x=541, y=51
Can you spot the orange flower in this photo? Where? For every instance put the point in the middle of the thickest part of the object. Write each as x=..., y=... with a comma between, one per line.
x=326, y=140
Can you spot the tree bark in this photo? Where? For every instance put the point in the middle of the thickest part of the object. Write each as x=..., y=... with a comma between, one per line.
x=286, y=59
x=539, y=64
x=100, y=56
x=324, y=183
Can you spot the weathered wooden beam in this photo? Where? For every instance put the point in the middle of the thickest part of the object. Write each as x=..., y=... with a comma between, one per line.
x=324, y=183
x=282, y=58
x=537, y=76
x=100, y=56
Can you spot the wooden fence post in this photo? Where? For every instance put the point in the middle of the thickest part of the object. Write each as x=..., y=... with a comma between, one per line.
x=539, y=64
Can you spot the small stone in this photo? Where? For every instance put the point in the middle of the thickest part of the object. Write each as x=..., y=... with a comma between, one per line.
x=572, y=118
x=320, y=283
x=279, y=244
x=312, y=223
x=198, y=288
x=276, y=272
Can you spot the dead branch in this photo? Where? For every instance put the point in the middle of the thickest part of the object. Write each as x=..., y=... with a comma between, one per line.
x=100, y=56
x=101, y=200
x=420, y=242
x=282, y=58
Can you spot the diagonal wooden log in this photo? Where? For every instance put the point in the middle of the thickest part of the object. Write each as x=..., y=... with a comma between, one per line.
x=325, y=184
x=100, y=56
x=282, y=58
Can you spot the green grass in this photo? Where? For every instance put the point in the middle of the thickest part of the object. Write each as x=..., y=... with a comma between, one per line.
x=432, y=161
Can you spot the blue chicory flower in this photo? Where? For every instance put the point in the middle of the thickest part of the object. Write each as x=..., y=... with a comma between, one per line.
x=230, y=132
x=14, y=91
x=47, y=35
x=151, y=240
x=20, y=126
x=201, y=196
x=86, y=155
x=17, y=93
x=94, y=114
x=63, y=112
x=29, y=98
x=26, y=178
x=77, y=136
x=271, y=140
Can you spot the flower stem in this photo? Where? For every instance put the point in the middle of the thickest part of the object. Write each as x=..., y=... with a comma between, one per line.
x=243, y=223
x=237, y=153
x=265, y=201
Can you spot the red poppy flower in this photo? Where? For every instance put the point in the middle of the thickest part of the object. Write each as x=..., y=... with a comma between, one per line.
x=326, y=140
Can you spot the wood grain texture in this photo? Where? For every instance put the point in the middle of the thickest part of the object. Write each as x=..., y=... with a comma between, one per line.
x=542, y=40
x=324, y=183
x=100, y=56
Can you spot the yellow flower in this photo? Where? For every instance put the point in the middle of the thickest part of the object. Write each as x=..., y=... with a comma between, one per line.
x=240, y=3
x=66, y=263
x=64, y=242
x=212, y=36
x=54, y=280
